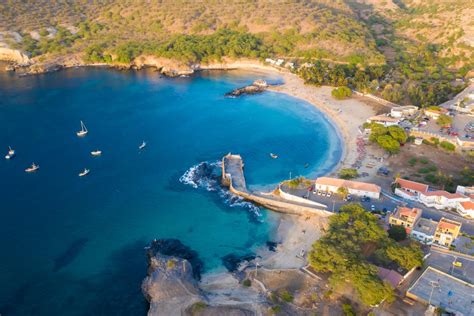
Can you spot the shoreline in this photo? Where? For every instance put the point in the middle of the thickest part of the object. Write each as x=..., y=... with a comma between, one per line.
x=291, y=232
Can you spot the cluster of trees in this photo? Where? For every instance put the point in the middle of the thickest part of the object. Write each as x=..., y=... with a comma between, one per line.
x=353, y=240
x=419, y=78
x=389, y=138
x=341, y=93
x=45, y=44
x=187, y=48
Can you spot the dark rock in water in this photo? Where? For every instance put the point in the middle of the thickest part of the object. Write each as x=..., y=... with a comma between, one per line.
x=232, y=260
x=272, y=245
x=174, y=248
x=254, y=88
x=69, y=254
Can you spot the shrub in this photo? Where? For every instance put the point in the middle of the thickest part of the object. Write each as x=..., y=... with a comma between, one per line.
x=197, y=307
x=276, y=309
x=348, y=173
x=412, y=161
x=397, y=232
x=341, y=93
x=424, y=170
x=170, y=264
x=424, y=161
x=348, y=310
x=247, y=283
x=448, y=146
x=286, y=296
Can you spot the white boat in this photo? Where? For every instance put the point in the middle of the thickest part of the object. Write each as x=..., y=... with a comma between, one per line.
x=83, y=130
x=96, y=153
x=143, y=145
x=273, y=156
x=84, y=173
x=33, y=168
x=11, y=153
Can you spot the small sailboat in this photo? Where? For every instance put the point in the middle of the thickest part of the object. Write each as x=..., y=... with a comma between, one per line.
x=33, y=168
x=11, y=153
x=273, y=156
x=84, y=173
x=96, y=153
x=143, y=145
x=83, y=130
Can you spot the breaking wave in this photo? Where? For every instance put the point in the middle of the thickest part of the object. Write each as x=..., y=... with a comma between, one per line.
x=207, y=175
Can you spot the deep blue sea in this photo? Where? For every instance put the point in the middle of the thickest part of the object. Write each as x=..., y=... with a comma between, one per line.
x=75, y=246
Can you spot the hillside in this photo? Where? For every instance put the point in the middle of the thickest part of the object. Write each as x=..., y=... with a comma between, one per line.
x=424, y=45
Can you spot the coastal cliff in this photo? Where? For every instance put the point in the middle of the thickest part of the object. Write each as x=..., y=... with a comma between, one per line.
x=169, y=67
x=172, y=285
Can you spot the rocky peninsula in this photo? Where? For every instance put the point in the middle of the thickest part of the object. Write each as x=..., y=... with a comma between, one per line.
x=172, y=285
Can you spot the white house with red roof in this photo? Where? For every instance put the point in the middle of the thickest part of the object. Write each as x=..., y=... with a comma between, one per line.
x=442, y=199
x=354, y=187
x=410, y=190
x=466, y=209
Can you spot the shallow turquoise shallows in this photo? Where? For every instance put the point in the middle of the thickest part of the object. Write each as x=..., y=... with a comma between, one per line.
x=74, y=245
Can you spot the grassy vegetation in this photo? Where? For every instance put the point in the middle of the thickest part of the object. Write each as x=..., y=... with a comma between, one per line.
x=385, y=49
x=348, y=173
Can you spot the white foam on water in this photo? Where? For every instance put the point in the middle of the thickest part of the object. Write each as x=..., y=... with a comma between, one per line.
x=206, y=175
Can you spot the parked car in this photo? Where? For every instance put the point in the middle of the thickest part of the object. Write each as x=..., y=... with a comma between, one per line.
x=323, y=194
x=372, y=207
x=365, y=199
x=319, y=192
x=329, y=194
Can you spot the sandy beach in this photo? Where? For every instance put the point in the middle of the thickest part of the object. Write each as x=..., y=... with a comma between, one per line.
x=348, y=115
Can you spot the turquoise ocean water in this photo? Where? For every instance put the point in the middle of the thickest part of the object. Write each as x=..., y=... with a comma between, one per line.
x=75, y=246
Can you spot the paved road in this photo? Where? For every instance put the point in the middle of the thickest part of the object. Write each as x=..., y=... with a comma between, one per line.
x=388, y=202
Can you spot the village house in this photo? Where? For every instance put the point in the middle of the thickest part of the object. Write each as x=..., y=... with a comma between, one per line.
x=466, y=209
x=424, y=230
x=353, y=187
x=441, y=199
x=409, y=190
x=446, y=232
x=384, y=120
x=406, y=217
x=464, y=190
x=435, y=113
x=403, y=111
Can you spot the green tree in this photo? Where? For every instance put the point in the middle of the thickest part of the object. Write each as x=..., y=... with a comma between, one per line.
x=444, y=120
x=343, y=192
x=377, y=130
x=407, y=257
x=388, y=143
x=398, y=134
x=341, y=93
x=447, y=145
x=397, y=232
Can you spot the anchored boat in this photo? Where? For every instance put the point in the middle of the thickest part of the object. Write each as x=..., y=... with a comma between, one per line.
x=143, y=145
x=11, y=153
x=83, y=130
x=273, y=156
x=96, y=153
x=33, y=168
x=84, y=173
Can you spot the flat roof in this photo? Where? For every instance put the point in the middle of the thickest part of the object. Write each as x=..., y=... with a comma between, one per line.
x=442, y=260
x=425, y=226
x=355, y=185
x=441, y=289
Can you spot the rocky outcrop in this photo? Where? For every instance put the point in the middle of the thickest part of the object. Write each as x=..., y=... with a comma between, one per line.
x=14, y=55
x=171, y=285
x=257, y=87
x=166, y=66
